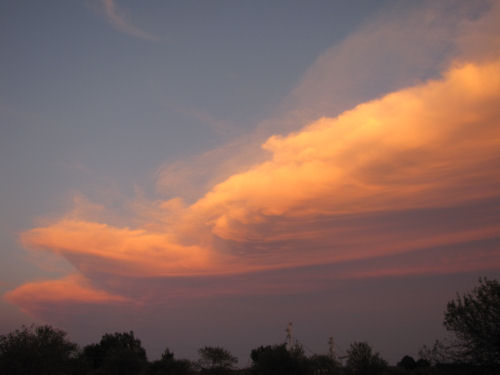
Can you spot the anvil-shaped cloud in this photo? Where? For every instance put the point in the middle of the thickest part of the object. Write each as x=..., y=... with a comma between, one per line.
x=400, y=181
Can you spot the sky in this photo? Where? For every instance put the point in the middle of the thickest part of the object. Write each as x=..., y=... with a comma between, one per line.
x=203, y=173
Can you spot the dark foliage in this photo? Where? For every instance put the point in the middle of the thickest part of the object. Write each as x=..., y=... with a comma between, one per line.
x=362, y=361
x=215, y=360
x=475, y=320
x=439, y=353
x=277, y=360
x=422, y=363
x=168, y=365
x=322, y=365
x=407, y=363
x=37, y=350
x=118, y=353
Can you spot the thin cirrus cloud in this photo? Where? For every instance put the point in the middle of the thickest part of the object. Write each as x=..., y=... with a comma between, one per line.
x=122, y=24
x=401, y=185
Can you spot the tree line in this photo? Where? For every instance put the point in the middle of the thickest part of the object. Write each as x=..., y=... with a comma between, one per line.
x=473, y=318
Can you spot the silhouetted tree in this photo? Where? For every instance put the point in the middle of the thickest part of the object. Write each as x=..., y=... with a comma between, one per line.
x=216, y=360
x=475, y=320
x=322, y=365
x=407, y=363
x=37, y=350
x=168, y=365
x=422, y=363
x=361, y=360
x=118, y=353
x=277, y=360
x=438, y=354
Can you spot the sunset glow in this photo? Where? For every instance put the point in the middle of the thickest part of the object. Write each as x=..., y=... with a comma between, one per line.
x=344, y=179
x=362, y=163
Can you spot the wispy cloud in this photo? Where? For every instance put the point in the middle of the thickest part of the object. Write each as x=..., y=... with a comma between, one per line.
x=122, y=24
x=399, y=185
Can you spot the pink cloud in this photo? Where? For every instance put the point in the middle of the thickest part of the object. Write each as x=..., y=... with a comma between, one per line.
x=122, y=24
x=34, y=296
x=364, y=186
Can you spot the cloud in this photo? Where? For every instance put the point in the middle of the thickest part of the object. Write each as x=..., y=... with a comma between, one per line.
x=321, y=195
x=398, y=185
x=122, y=24
x=399, y=47
x=403, y=151
x=100, y=247
x=35, y=296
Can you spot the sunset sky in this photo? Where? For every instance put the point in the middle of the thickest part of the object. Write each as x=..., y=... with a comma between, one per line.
x=203, y=173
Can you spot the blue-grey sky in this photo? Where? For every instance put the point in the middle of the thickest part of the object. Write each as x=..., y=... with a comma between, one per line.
x=133, y=172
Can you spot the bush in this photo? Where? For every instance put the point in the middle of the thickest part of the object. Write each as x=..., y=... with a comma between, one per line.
x=36, y=350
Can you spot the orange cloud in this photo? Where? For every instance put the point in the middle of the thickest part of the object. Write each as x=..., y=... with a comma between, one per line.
x=72, y=289
x=364, y=185
x=434, y=144
x=102, y=248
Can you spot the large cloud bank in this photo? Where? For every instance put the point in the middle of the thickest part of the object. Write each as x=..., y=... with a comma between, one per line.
x=404, y=184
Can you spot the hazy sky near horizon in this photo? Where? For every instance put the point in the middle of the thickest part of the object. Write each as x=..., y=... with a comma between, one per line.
x=205, y=172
